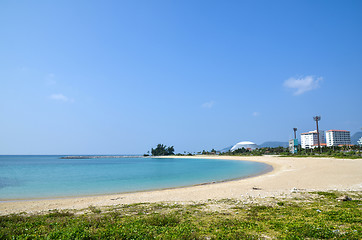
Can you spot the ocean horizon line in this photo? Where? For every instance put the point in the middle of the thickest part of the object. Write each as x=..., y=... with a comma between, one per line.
x=71, y=154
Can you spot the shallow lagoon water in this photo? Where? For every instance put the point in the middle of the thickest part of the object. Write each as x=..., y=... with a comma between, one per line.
x=25, y=177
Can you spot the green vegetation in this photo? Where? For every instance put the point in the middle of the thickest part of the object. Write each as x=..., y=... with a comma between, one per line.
x=310, y=216
x=352, y=152
x=257, y=152
x=212, y=152
x=162, y=150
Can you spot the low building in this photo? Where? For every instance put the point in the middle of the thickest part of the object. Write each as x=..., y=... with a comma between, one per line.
x=322, y=145
x=309, y=139
x=293, y=146
x=338, y=137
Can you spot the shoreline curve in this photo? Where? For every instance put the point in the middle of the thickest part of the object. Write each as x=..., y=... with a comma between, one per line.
x=288, y=175
x=269, y=168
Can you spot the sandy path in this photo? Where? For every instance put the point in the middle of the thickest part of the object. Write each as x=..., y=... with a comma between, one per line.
x=306, y=174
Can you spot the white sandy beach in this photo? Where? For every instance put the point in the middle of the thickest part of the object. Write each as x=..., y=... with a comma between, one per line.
x=300, y=174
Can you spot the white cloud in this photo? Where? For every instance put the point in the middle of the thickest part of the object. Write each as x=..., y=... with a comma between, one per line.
x=256, y=114
x=50, y=79
x=303, y=84
x=208, y=104
x=60, y=97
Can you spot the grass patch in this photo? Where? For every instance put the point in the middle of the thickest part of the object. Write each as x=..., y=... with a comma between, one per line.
x=311, y=218
x=94, y=209
x=329, y=195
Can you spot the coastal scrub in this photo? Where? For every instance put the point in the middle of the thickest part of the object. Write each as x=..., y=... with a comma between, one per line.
x=316, y=215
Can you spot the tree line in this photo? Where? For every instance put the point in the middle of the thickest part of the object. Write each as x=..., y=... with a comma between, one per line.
x=344, y=151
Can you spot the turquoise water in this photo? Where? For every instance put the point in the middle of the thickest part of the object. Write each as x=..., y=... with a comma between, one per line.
x=23, y=177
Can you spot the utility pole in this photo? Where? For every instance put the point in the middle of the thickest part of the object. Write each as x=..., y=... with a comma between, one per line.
x=316, y=119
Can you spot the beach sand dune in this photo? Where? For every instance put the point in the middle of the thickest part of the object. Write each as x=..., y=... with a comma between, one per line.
x=289, y=175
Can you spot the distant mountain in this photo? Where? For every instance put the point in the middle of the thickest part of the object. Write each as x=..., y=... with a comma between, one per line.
x=355, y=137
x=226, y=149
x=274, y=144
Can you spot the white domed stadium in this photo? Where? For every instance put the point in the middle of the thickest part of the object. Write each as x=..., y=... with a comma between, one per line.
x=245, y=144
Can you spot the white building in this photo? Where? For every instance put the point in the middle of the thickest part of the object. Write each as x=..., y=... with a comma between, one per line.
x=245, y=144
x=360, y=141
x=310, y=139
x=338, y=137
x=293, y=146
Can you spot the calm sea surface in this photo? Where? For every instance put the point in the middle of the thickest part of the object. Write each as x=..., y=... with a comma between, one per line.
x=23, y=177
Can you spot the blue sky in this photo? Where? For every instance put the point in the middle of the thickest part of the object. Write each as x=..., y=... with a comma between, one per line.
x=119, y=77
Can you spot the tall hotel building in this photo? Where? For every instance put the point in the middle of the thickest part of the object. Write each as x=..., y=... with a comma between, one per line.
x=310, y=139
x=338, y=137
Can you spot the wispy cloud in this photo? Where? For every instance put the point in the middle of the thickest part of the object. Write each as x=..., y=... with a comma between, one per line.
x=303, y=84
x=256, y=114
x=50, y=79
x=209, y=104
x=60, y=97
